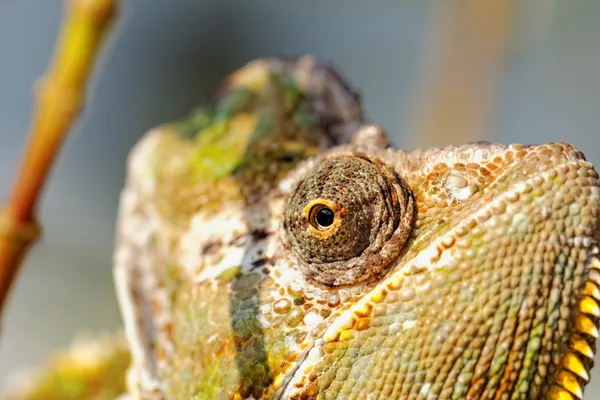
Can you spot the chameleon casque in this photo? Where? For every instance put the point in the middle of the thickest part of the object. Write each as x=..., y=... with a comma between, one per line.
x=274, y=246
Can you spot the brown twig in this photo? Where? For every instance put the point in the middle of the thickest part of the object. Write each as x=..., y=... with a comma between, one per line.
x=59, y=98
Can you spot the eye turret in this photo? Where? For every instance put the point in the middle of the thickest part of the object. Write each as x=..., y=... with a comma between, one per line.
x=348, y=219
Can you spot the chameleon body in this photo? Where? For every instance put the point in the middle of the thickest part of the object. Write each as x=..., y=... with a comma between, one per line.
x=275, y=246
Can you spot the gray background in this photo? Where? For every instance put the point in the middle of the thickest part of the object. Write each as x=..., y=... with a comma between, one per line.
x=163, y=59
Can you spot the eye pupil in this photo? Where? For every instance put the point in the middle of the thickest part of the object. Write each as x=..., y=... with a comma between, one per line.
x=321, y=217
x=324, y=217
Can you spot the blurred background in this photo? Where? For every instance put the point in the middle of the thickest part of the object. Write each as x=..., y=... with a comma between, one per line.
x=431, y=72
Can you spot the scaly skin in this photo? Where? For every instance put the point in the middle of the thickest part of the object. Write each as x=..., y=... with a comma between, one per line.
x=458, y=273
x=452, y=273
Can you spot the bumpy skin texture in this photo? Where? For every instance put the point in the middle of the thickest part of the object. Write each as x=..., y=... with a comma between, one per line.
x=373, y=213
x=464, y=272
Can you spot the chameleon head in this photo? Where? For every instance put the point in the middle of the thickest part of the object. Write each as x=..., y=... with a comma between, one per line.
x=360, y=272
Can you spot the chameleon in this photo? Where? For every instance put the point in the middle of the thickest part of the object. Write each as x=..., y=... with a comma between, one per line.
x=273, y=245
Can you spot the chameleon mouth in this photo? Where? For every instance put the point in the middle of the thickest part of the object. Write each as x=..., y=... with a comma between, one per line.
x=578, y=359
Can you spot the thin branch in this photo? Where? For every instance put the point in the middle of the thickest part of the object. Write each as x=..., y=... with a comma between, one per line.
x=59, y=99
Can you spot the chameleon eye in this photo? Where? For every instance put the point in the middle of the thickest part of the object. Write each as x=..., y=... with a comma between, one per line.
x=348, y=219
x=323, y=216
x=320, y=216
